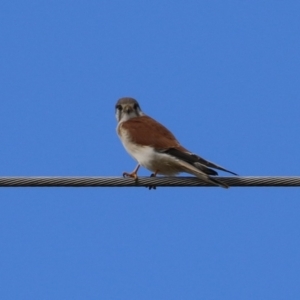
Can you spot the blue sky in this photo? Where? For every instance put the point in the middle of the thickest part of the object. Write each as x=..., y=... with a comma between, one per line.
x=222, y=75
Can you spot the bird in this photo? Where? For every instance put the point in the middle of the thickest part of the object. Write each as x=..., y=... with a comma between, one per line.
x=155, y=147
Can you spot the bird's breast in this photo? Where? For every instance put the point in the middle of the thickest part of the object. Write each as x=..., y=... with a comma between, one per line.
x=139, y=152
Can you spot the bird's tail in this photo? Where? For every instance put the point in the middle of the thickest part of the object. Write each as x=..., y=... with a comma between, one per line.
x=218, y=182
x=188, y=168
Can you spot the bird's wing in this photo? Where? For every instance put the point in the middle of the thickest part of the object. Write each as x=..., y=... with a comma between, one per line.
x=184, y=155
x=199, y=162
x=211, y=165
x=148, y=132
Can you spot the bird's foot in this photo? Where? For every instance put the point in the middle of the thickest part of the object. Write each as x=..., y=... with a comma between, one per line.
x=132, y=175
x=152, y=186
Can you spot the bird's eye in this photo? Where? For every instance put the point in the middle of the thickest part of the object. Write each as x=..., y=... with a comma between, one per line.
x=135, y=106
x=119, y=107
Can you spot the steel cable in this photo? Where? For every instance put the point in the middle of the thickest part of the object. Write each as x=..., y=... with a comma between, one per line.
x=249, y=181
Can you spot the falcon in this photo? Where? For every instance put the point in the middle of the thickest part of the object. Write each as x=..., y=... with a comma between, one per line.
x=154, y=147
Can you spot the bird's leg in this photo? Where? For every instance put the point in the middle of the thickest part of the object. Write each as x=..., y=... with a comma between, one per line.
x=133, y=174
x=153, y=186
x=154, y=174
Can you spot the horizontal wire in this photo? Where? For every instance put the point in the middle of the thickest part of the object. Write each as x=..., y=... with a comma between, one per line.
x=250, y=181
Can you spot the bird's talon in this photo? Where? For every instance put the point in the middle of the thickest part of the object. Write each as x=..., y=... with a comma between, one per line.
x=132, y=175
x=152, y=186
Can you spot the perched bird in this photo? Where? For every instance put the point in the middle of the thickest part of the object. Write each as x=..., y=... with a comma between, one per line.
x=154, y=147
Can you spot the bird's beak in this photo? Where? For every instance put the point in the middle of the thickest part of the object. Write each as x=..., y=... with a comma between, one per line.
x=127, y=109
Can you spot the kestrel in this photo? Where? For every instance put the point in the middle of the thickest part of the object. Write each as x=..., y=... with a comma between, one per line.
x=154, y=147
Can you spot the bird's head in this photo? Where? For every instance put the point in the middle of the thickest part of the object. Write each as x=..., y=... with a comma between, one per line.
x=127, y=108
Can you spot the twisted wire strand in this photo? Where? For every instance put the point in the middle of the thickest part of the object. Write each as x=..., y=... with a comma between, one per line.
x=248, y=181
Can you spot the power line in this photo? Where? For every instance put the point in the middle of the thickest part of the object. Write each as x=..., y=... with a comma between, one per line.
x=248, y=181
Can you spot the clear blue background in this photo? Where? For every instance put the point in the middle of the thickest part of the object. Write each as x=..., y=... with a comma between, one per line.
x=224, y=76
